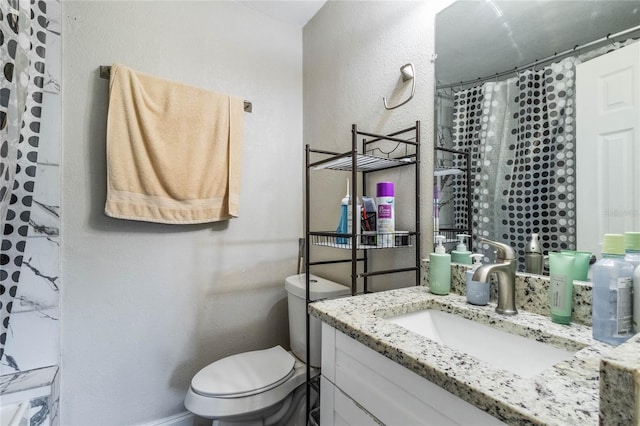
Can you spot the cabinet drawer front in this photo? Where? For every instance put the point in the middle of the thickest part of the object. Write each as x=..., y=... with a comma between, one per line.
x=338, y=409
x=392, y=393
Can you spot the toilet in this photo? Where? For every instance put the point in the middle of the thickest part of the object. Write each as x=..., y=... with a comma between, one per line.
x=265, y=387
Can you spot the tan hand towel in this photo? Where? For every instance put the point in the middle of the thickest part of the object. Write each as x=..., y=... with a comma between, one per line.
x=174, y=152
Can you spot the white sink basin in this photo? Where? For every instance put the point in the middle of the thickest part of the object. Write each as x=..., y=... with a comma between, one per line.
x=501, y=350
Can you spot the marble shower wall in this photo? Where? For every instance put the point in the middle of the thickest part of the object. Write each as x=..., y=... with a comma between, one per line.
x=29, y=366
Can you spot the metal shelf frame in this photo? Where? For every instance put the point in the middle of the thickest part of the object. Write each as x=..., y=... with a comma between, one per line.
x=360, y=162
x=451, y=233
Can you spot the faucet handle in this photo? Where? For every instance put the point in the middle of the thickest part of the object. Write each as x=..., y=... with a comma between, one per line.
x=505, y=252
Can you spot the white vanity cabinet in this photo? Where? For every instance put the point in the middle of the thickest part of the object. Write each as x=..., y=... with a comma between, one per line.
x=362, y=387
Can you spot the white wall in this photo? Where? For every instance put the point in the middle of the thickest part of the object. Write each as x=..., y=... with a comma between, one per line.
x=353, y=52
x=145, y=306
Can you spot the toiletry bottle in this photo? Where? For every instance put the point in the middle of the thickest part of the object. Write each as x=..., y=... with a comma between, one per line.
x=612, y=298
x=581, y=266
x=436, y=208
x=636, y=298
x=533, y=257
x=350, y=228
x=561, y=286
x=461, y=254
x=632, y=255
x=368, y=221
x=477, y=291
x=440, y=269
x=632, y=248
x=343, y=224
x=386, y=214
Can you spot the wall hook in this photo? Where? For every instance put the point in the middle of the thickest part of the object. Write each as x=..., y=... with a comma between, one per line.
x=407, y=73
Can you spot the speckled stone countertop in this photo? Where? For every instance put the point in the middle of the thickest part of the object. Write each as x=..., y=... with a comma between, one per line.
x=532, y=292
x=566, y=394
x=620, y=384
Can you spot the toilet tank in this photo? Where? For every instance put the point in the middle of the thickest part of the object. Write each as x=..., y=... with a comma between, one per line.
x=319, y=288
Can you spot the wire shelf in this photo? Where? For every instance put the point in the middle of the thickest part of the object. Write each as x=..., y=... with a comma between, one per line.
x=364, y=163
x=367, y=241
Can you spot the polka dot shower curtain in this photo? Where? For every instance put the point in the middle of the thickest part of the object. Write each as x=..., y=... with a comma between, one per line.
x=23, y=26
x=520, y=133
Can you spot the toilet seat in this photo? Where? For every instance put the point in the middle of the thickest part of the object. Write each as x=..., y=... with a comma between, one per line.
x=244, y=374
x=241, y=394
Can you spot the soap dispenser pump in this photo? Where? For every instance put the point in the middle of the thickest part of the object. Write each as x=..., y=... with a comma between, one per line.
x=440, y=269
x=533, y=258
x=461, y=254
x=477, y=291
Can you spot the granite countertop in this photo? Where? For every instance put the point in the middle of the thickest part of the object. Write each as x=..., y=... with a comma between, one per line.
x=567, y=393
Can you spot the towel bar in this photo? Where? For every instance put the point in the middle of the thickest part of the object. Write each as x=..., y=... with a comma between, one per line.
x=105, y=72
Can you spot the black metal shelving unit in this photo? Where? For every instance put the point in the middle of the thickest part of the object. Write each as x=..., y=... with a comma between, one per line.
x=361, y=161
x=460, y=157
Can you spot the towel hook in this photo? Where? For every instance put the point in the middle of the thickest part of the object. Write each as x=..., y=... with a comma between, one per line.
x=407, y=74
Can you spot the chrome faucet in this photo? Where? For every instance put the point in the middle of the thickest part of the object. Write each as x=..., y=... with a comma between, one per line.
x=505, y=269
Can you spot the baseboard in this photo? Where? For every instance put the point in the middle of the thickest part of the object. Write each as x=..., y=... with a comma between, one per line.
x=183, y=419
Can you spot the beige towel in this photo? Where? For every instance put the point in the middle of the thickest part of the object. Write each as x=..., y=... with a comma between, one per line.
x=174, y=152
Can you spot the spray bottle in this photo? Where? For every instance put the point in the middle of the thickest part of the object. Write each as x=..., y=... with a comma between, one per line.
x=343, y=223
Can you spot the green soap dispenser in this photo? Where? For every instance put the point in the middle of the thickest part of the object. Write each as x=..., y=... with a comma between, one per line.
x=440, y=269
x=461, y=254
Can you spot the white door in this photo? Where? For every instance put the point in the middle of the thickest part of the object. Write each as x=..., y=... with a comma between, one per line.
x=607, y=146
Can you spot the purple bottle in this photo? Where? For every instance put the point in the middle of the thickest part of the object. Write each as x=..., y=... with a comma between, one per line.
x=385, y=221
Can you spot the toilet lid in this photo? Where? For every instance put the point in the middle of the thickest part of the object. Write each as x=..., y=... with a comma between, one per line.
x=244, y=374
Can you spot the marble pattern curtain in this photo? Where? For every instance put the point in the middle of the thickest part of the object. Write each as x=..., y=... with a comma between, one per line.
x=23, y=26
x=520, y=133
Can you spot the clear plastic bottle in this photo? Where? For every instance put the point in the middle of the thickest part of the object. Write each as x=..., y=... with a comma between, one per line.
x=612, y=293
x=632, y=255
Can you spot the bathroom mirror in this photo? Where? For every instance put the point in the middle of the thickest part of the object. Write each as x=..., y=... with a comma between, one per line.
x=528, y=183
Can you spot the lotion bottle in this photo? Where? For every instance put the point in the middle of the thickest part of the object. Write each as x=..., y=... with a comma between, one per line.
x=440, y=269
x=561, y=286
x=461, y=254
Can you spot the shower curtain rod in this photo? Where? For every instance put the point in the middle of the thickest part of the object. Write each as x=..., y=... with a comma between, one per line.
x=105, y=72
x=608, y=37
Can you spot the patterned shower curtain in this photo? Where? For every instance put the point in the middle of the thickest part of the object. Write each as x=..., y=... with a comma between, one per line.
x=520, y=133
x=23, y=26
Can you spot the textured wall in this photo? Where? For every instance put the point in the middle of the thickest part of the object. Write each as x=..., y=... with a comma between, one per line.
x=353, y=52
x=145, y=306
